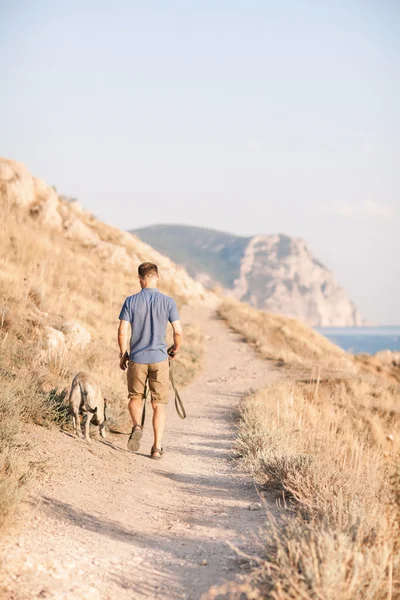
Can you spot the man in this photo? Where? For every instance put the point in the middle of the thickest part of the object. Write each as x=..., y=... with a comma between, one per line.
x=148, y=313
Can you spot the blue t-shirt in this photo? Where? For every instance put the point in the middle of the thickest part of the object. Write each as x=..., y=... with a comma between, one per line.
x=148, y=312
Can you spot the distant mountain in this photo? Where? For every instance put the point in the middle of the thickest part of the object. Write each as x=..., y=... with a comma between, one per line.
x=276, y=273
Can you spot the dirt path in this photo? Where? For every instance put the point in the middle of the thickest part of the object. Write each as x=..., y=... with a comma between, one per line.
x=109, y=524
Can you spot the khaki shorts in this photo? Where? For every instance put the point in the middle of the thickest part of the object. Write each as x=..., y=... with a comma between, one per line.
x=157, y=375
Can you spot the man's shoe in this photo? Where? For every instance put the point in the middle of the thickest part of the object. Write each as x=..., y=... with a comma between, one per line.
x=134, y=438
x=156, y=453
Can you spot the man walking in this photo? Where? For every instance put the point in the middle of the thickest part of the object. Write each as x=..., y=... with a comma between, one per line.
x=148, y=313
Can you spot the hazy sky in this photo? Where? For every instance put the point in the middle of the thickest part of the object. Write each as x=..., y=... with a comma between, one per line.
x=246, y=116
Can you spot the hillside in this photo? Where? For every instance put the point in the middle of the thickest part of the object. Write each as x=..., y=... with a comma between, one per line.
x=63, y=278
x=275, y=273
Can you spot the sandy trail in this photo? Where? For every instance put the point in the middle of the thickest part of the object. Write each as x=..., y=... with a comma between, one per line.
x=106, y=523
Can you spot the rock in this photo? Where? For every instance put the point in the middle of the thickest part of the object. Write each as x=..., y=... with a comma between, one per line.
x=127, y=239
x=76, y=206
x=20, y=189
x=72, y=204
x=115, y=255
x=254, y=506
x=55, y=339
x=45, y=206
x=204, y=562
x=75, y=229
x=388, y=357
x=6, y=171
x=40, y=186
x=76, y=336
x=19, y=192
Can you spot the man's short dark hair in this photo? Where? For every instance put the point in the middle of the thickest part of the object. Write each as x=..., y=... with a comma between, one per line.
x=146, y=269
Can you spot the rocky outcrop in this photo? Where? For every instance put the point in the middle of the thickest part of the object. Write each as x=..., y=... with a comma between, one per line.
x=279, y=274
x=19, y=188
x=54, y=340
x=20, y=191
x=276, y=273
x=57, y=342
x=76, y=335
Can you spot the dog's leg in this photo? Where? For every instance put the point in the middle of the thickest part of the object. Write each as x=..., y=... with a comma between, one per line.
x=89, y=417
x=75, y=400
x=102, y=428
x=76, y=419
x=101, y=416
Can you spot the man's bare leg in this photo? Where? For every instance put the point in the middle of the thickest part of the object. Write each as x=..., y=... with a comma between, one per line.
x=136, y=410
x=159, y=420
x=135, y=407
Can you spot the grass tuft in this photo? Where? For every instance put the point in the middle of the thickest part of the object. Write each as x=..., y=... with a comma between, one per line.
x=56, y=404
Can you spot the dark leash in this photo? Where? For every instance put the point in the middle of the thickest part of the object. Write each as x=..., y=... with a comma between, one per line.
x=145, y=395
x=180, y=409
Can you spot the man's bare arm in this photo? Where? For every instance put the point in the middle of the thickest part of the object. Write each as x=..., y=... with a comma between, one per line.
x=123, y=340
x=178, y=336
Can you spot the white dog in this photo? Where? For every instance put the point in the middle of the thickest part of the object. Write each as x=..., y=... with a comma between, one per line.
x=85, y=397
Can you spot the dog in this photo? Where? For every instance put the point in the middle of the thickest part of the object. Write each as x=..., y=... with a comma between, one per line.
x=85, y=397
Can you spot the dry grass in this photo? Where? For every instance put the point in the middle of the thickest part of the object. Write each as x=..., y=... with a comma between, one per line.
x=329, y=449
x=46, y=280
x=281, y=339
x=377, y=365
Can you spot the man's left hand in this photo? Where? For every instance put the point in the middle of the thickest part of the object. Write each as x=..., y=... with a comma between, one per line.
x=171, y=351
x=123, y=361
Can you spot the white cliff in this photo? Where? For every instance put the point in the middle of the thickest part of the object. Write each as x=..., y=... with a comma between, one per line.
x=279, y=274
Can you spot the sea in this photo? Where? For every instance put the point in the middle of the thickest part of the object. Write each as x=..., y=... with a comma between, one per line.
x=364, y=340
